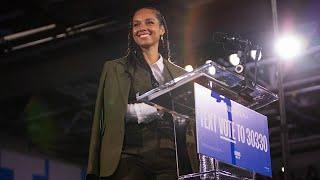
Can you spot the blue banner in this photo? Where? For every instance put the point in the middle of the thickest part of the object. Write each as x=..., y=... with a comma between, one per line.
x=231, y=132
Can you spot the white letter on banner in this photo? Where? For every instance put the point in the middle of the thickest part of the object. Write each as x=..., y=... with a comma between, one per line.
x=226, y=128
x=221, y=125
x=256, y=136
x=242, y=134
x=239, y=133
x=253, y=143
x=215, y=123
x=208, y=122
x=265, y=143
x=248, y=136
x=211, y=121
x=261, y=142
x=233, y=128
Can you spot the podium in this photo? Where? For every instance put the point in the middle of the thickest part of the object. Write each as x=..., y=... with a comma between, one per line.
x=218, y=134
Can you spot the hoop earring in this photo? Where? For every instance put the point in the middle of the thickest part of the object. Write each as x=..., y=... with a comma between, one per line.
x=162, y=40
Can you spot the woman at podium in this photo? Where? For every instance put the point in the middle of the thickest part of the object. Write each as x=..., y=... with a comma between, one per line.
x=131, y=140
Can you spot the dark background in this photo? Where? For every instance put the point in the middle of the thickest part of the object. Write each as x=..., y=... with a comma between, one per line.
x=49, y=79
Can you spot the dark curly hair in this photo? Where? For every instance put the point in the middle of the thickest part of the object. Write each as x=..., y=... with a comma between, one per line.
x=134, y=51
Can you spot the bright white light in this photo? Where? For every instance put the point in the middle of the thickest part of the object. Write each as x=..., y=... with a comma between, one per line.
x=289, y=46
x=212, y=70
x=208, y=61
x=282, y=169
x=188, y=68
x=234, y=59
x=253, y=54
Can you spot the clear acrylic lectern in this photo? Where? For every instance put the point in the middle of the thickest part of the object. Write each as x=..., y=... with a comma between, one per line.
x=177, y=98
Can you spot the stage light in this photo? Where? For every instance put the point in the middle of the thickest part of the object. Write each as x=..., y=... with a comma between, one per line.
x=188, y=68
x=212, y=70
x=239, y=68
x=289, y=46
x=234, y=59
x=253, y=54
x=282, y=169
x=208, y=61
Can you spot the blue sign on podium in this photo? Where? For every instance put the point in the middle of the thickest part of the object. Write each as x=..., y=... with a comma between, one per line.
x=231, y=132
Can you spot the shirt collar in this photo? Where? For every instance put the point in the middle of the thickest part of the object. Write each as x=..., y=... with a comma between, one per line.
x=159, y=63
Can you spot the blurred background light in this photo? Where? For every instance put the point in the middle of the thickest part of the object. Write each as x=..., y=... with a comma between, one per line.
x=208, y=61
x=289, y=46
x=234, y=59
x=188, y=68
x=253, y=54
x=212, y=70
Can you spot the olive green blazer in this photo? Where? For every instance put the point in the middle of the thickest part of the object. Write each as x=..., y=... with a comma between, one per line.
x=108, y=126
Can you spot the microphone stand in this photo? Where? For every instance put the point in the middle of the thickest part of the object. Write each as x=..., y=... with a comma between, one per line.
x=247, y=49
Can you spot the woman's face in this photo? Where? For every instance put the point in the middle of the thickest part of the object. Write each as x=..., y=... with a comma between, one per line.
x=146, y=28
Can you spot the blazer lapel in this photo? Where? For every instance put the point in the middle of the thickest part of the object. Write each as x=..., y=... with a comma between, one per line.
x=124, y=83
x=175, y=70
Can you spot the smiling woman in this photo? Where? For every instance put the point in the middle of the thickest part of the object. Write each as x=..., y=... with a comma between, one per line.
x=147, y=30
x=131, y=140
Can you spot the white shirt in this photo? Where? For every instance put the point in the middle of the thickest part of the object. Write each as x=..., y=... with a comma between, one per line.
x=157, y=70
x=141, y=110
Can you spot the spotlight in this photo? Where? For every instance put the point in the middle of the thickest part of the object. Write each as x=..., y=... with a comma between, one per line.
x=289, y=46
x=239, y=68
x=212, y=70
x=188, y=68
x=253, y=54
x=234, y=59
